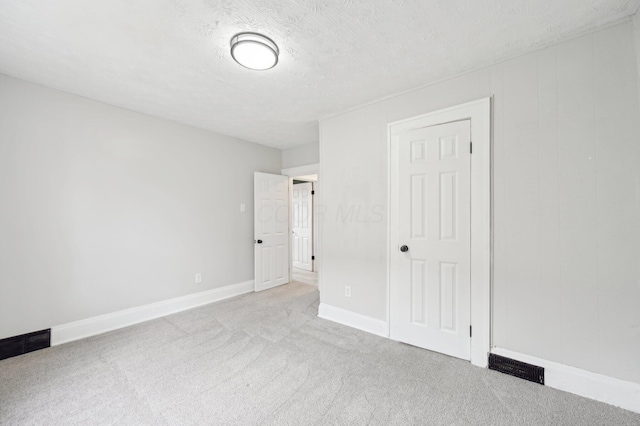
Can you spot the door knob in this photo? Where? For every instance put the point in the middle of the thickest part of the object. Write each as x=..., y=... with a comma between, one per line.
x=259, y=241
x=404, y=249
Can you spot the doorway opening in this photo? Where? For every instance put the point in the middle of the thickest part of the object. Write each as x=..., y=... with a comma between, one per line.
x=304, y=223
x=304, y=229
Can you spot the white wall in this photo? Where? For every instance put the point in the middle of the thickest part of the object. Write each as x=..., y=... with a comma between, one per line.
x=566, y=195
x=300, y=155
x=105, y=209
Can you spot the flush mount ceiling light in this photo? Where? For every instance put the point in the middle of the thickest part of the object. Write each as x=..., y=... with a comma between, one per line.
x=254, y=51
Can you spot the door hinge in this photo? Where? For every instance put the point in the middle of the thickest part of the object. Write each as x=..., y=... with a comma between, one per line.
x=313, y=192
x=470, y=332
x=470, y=147
x=313, y=258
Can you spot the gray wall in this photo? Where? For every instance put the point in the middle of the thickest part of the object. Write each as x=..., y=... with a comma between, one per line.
x=105, y=209
x=566, y=200
x=636, y=38
x=301, y=155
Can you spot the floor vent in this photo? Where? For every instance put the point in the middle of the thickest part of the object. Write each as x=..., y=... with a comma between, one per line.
x=18, y=345
x=520, y=369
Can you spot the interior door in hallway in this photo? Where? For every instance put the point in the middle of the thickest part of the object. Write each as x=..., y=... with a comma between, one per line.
x=271, y=228
x=431, y=231
x=302, y=226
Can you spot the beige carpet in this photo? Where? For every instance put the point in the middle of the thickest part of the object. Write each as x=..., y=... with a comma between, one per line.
x=266, y=359
x=305, y=277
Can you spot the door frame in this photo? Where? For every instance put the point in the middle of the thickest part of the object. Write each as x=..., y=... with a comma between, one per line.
x=479, y=112
x=292, y=172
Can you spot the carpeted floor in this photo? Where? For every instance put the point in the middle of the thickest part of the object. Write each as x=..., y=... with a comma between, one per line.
x=265, y=358
x=305, y=277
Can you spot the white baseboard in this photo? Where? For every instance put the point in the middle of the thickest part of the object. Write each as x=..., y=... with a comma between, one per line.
x=101, y=324
x=596, y=386
x=351, y=319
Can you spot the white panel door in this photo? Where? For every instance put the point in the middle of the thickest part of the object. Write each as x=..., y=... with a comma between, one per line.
x=430, y=269
x=302, y=226
x=271, y=228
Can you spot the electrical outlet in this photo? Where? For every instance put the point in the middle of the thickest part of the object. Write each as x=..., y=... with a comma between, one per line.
x=243, y=208
x=347, y=291
x=198, y=278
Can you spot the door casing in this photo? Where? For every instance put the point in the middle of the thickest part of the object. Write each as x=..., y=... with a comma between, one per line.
x=479, y=112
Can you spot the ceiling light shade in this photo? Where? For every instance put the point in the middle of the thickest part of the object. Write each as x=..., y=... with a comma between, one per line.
x=254, y=51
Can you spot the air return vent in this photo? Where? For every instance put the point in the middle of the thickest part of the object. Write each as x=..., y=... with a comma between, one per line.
x=18, y=345
x=520, y=369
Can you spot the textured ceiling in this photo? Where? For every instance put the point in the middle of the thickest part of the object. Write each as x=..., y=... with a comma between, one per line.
x=170, y=58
